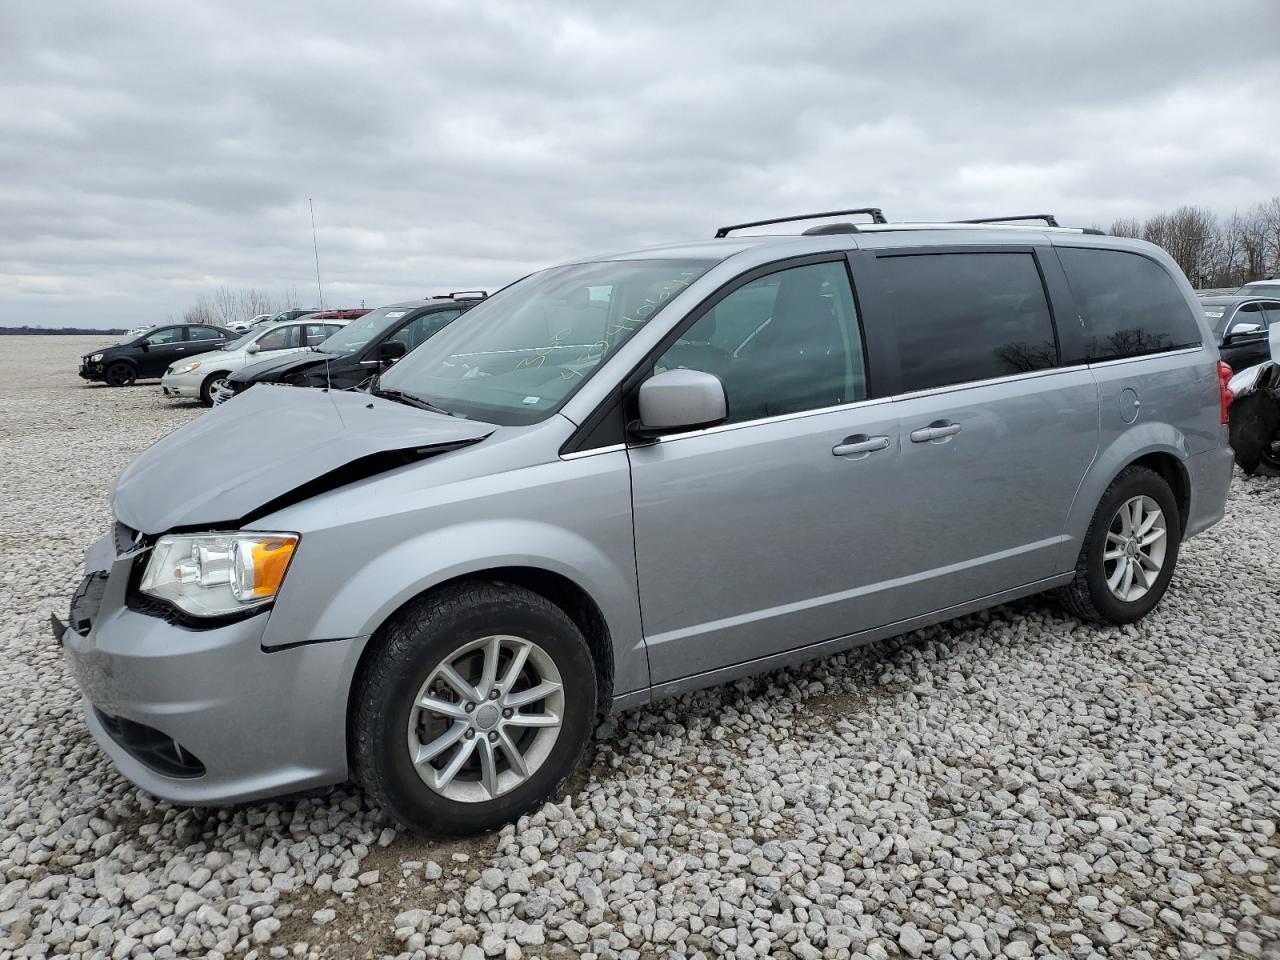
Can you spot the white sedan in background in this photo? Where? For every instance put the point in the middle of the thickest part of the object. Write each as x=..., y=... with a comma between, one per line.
x=196, y=377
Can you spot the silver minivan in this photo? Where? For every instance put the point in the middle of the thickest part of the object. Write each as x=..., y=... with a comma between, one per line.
x=632, y=476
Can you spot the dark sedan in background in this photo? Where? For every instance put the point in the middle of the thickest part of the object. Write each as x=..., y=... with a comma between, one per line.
x=355, y=354
x=146, y=357
x=1241, y=323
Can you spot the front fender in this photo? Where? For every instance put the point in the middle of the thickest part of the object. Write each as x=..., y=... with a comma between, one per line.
x=362, y=602
x=1133, y=444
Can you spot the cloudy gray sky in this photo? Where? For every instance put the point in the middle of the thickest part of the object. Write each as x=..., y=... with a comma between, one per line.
x=150, y=151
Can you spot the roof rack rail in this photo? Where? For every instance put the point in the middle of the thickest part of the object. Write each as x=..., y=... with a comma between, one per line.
x=1049, y=219
x=873, y=212
x=461, y=295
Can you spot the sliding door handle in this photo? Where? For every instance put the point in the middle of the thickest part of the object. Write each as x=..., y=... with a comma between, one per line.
x=938, y=430
x=859, y=443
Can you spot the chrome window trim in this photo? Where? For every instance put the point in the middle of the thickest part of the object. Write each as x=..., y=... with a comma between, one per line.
x=1145, y=356
x=990, y=381
x=579, y=454
x=780, y=418
x=877, y=401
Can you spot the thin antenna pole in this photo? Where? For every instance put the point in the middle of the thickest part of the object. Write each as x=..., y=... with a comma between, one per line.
x=316, y=248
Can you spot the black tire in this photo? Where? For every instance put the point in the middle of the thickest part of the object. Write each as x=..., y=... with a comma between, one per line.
x=206, y=388
x=120, y=374
x=1088, y=596
x=1255, y=425
x=405, y=652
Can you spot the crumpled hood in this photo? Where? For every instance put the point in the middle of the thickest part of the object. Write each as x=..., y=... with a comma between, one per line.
x=265, y=444
x=275, y=366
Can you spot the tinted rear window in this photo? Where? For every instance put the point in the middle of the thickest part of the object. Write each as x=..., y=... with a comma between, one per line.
x=1129, y=304
x=968, y=316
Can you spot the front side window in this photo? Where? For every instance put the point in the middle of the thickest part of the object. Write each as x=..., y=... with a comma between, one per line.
x=1129, y=304
x=515, y=357
x=963, y=317
x=167, y=335
x=784, y=343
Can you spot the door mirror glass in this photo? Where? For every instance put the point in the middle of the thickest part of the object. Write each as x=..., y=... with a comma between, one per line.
x=389, y=351
x=681, y=400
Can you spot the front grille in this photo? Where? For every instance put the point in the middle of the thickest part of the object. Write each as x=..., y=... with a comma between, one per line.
x=151, y=748
x=87, y=601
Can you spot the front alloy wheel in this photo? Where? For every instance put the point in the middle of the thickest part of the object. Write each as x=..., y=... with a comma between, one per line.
x=472, y=705
x=486, y=719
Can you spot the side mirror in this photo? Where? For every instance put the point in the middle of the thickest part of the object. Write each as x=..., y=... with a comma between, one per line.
x=252, y=348
x=680, y=400
x=389, y=351
x=1242, y=330
x=1273, y=340
x=146, y=347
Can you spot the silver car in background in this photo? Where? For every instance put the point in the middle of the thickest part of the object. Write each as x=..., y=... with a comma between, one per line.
x=632, y=476
x=199, y=377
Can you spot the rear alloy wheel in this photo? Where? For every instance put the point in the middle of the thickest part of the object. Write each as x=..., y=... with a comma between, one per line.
x=473, y=707
x=1135, y=549
x=1130, y=551
x=120, y=374
x=211, y=384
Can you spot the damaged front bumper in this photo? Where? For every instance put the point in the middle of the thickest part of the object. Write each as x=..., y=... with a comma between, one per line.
x=204, y=716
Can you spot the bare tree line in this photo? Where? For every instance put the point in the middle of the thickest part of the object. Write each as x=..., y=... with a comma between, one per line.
x=1215, y=251
x=227, y=305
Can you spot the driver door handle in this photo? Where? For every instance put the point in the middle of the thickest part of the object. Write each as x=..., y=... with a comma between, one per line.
x=937, y=430
x=859, y=443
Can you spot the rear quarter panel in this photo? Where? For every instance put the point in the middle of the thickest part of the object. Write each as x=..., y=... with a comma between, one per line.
x=1177, y=413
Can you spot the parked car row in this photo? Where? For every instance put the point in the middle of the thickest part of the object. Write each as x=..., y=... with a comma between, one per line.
x=199, y=376
x=151, y=352
x=627, y=477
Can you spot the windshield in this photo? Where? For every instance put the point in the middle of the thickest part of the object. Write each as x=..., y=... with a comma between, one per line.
x=356, y=335
x=514, y=358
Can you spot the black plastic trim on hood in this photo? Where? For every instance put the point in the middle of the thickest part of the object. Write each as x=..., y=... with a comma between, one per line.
x=349, y=473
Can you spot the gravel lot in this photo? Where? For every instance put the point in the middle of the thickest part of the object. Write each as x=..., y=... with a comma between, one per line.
x=1012, y=784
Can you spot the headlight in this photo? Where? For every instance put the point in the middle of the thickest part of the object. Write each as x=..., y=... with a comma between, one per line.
x=186, y=367
x=95, y=358
x=217, y=574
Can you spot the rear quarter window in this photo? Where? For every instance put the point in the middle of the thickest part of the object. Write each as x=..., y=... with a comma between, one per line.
x=1129, y=304
x=962, y=317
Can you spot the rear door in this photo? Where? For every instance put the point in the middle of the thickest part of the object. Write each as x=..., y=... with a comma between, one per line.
x=996, y=432
x=769, y=532
x=202, y=339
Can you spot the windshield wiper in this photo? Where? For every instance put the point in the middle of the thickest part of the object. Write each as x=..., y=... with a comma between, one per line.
x=410, y=399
